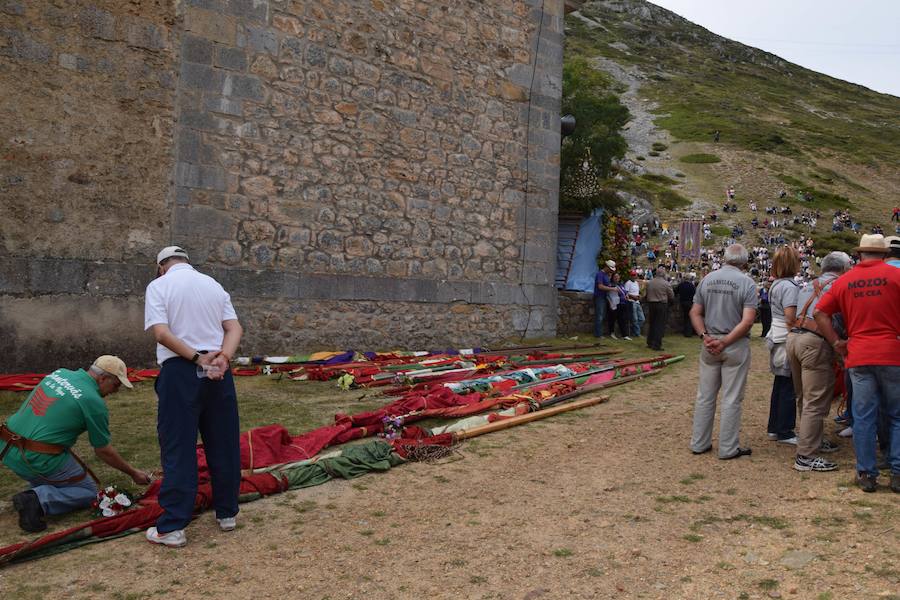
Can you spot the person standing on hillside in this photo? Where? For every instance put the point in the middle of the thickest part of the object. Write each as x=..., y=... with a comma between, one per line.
x=633, y=291
x=685, y=292
x=895, y=214
x=723, y=312
x=197, y=333
x=765, y=309
x=867, y=297
x=602, y=286
x=659, y=296
x=812, y=369
x=36, y=441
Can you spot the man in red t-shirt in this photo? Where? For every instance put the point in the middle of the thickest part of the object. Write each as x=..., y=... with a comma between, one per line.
x=868, y=297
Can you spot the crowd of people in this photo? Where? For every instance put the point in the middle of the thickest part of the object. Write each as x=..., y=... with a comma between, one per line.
x=830, y=323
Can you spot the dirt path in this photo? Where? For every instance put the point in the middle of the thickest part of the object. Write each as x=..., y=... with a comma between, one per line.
x=606, y=502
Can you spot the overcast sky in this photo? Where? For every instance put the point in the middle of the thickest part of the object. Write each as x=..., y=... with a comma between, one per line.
x=853, y=40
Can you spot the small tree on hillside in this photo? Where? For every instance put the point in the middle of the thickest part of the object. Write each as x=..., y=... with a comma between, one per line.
x=587, y=154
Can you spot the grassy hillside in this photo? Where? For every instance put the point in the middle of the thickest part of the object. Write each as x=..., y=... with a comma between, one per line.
x=802, y=130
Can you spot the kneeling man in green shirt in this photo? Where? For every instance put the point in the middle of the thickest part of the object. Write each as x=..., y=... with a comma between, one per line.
x=36, y=441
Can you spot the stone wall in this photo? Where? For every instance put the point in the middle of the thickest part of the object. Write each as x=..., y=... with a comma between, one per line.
x=334, y=163
x=575, y=315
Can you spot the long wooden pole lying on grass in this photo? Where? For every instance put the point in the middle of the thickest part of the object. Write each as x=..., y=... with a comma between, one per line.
x=549, y=412
x=522, y=419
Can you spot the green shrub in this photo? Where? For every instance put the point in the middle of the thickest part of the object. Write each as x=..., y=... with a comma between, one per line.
x=659, y=146
x=657, y=178
x=720, y=230
x=670, y=199
x=700, y=158
x=836, y=241
x=653, y=153
x=640, y=158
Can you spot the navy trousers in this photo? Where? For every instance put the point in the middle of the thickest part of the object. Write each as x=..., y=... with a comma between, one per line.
x=188, y=405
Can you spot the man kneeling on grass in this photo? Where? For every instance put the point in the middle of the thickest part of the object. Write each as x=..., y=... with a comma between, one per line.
x=36, y=442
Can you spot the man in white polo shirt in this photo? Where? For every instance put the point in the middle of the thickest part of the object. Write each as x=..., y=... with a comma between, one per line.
x=197, y=334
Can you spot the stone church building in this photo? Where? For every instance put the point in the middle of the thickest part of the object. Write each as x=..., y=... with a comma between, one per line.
x=357, y=173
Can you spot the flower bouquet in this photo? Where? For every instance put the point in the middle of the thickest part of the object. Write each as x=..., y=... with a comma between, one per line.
x=112, y=501
x=393, y=427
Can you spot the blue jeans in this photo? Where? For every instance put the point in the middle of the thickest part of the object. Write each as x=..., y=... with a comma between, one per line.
x=637, y=318
x=599, y=315
x=60, y=498
x=188, y=404
x=876, y=393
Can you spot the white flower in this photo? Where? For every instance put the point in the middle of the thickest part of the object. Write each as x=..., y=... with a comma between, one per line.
x=110, y=489
x=105, y=503
x=108, y=512
x=122, y=500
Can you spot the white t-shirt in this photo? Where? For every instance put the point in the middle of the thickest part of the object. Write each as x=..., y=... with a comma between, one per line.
x=632, y=289
x=192, y=304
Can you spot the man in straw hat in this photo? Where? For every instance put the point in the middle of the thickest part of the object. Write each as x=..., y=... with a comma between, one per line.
x=36, y=441
x=867, y=297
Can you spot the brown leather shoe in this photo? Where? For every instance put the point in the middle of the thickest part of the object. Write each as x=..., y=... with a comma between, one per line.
x=867, y=482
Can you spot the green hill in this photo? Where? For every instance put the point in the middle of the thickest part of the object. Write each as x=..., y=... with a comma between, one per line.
x=782, y=127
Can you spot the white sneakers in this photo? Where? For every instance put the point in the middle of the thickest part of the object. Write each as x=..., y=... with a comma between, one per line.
x=177, y=539
x=173, y=539
x=846, y=432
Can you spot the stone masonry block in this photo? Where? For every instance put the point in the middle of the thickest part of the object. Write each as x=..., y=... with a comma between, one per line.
x=200, y=176
x=21, y=46
x=195, y=222
x=225, y=106
x=97, y=23
x=211, y=25
x=259, y=39
x=234, y=59
x=57, y=276
x=249, y=10
x=14, y=275
x=259, y=284
x=243, y=86
x=196, y=50
x=201, y=77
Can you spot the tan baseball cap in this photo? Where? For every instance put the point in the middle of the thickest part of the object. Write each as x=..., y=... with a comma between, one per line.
x=114, y=366
x=611, y=264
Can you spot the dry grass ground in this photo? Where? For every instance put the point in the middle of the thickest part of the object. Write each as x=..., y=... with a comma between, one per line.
x=606, y=502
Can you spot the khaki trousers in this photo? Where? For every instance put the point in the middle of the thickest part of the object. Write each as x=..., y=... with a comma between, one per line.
x=728, y=372
x=811, y=360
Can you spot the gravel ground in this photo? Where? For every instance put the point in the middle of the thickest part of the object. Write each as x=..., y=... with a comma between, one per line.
x=605, y=502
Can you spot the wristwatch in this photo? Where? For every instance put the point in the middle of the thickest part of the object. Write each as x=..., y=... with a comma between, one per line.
x=195, y=357
x=703, y=335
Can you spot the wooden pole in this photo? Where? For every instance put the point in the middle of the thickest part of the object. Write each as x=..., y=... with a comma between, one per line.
x=522, y=419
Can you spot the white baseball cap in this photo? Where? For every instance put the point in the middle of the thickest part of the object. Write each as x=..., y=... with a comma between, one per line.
x=169, y=252
x=611, y=264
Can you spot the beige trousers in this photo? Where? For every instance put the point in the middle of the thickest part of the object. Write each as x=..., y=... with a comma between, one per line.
x=726, y=372
x=811, y=360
